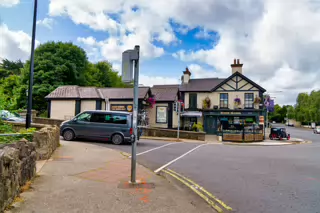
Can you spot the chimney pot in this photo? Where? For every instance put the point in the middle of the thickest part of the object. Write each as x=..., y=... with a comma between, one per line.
x=238, y=61
x=234, y=61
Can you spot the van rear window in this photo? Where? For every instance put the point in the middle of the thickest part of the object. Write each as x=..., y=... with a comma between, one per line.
x=109, y=118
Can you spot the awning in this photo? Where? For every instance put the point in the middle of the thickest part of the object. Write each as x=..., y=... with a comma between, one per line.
x=191, y=114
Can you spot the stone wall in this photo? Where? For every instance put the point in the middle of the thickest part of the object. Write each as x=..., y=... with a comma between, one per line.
x=170, y=133
x=17, y=126
x=47, y=121
x=17, y=166
x=18, y=160
x=23, y=113
x=47, y=140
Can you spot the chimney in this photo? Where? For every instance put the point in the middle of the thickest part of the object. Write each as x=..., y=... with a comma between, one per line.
x=236, y=66
x=186, y=76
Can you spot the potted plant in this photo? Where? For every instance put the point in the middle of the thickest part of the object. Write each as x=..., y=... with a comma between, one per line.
x=197, y=127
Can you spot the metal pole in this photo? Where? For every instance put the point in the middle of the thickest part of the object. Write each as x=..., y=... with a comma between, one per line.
x=179, y=109
x=135, y=117
x=29, y=108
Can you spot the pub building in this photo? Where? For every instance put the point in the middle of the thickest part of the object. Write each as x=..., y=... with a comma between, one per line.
x=228, y=107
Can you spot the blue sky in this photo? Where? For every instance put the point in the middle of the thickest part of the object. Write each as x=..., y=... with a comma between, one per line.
x=65, y=29
x=271, y=46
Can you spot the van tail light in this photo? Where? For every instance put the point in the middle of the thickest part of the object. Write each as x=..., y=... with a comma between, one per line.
x=131, y=131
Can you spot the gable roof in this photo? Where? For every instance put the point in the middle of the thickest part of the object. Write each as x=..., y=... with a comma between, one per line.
x=165, y=92
x=64, y=92
x=243, y=77
x=123, y=93
x=76, y=92
x=201, y=84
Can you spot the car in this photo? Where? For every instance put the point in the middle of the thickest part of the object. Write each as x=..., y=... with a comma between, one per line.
x=112, y=126
x=11, y=116
x=316, y=130
x=279, y=133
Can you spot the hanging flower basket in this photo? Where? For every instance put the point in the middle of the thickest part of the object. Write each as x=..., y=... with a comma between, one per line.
x=151, y=101
x=257, y=100
x=237, y=101
x=206, y=103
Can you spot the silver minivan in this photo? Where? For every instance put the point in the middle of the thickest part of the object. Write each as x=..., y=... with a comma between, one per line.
x=99, y=124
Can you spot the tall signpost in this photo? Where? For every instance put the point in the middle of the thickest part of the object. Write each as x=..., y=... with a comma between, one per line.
x=130, y=59
x=29, y=107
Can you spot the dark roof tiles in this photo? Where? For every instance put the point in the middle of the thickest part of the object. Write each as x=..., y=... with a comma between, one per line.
x=201, y=85
x=65, y=92
x=122, y=93
x=165, y=92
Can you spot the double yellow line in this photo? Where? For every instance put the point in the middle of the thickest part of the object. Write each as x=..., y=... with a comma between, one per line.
x=213, y=201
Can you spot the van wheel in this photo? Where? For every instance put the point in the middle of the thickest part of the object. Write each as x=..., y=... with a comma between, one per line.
x=117, y=139
x=68, y=135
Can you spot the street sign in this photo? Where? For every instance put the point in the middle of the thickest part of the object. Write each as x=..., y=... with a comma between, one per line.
x=127, y=67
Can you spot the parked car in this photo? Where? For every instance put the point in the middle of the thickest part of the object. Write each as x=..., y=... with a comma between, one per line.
x=11, y=116
x=316, y=130
x=99, y=124
x=279, y=133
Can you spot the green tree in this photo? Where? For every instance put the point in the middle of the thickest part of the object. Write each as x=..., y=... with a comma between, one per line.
x=55, y=64
x=101, y=74
x=8, y=68
x=307, y=108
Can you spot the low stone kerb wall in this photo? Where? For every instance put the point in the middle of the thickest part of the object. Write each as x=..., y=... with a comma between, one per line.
x=18, y=161
x=171, y=133
x=48, y=121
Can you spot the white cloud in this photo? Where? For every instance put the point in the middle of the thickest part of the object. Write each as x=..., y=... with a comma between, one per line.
x=112, y=47
x=199, y=72
x=156, y=80
x=274, y=39
x=14, y=45
x=46, y=22
x=9, y=3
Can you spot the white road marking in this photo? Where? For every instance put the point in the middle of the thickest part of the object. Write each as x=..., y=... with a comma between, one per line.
x=150, y=150
x=174, y=160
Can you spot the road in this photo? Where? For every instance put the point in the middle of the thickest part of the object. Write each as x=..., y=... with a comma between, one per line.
x=306, y=134
x=250, y=179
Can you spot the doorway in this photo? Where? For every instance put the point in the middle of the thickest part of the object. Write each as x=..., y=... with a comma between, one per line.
x=211, y=124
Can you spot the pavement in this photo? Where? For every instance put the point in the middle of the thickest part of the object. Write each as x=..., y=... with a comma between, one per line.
x=86, y=177
x=248, y=179
x=242, y=179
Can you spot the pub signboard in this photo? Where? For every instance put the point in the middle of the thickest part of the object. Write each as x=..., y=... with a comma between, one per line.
x=121, y=107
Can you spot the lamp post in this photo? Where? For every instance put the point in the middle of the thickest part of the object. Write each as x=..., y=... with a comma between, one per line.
x=29, y=107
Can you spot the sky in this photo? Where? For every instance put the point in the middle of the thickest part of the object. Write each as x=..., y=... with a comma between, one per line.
x=277, y=41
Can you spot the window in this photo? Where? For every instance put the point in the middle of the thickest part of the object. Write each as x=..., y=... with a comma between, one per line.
x=224, y=100
x=109, y=118
x=161, y=114
x=248, y=100
x=84, y=117
x=193, y=101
